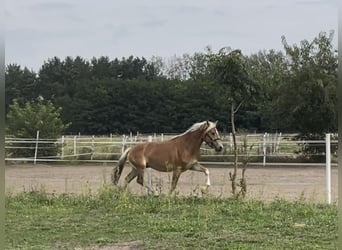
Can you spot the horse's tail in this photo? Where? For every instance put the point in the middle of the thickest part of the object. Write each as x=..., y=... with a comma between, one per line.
x=118, y=169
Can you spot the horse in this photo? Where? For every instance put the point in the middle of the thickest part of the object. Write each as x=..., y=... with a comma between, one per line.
x=178, y=154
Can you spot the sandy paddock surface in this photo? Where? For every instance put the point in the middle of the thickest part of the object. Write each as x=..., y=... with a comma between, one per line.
x=264, y=183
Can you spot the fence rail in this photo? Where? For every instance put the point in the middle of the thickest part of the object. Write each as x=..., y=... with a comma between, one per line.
x=263, y=147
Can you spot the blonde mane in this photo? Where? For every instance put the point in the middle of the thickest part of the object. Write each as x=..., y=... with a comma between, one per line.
x=195, y=127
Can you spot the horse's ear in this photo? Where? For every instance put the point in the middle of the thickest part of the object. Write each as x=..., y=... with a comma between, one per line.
x=207, y=123
x=216, y=122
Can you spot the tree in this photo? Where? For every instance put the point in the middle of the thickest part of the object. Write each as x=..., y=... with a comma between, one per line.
x=177, y=68
x=229, y=69
x=189, y=67
x=23, y=121
x=51, y=79
x=268, y=69
x=307, y=99
x=57, y=81
x=20, y=84
x=102, y=68
x=292, y=91
x=154, y=68
x=57, y=77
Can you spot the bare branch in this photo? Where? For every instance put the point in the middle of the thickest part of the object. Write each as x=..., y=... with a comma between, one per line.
x=237, y=109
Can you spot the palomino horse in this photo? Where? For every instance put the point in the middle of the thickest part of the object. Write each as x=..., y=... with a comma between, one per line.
x=178, y=154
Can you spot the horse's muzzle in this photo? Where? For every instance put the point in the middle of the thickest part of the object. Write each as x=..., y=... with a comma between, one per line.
x=218, y=146
x=219, y=149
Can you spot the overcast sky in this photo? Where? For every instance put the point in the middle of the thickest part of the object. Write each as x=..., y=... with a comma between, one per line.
x=40, y=29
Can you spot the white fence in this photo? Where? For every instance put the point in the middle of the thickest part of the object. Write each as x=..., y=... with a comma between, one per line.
x=263, y=147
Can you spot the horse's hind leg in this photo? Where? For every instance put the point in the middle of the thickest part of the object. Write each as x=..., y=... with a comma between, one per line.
x=139, y=173
x=130, y=176
x=140, y=178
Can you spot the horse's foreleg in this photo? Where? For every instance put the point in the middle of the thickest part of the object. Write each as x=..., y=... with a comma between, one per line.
x=175, y=177
x=198, y=167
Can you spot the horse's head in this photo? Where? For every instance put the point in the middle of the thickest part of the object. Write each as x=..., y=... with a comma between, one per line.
x=212, y=137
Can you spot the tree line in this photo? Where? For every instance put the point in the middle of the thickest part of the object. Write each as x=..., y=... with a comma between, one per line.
x=294, y=90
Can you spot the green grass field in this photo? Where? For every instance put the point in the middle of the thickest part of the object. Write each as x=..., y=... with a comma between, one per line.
x=36, y=220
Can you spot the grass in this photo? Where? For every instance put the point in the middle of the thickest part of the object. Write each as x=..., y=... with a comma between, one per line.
x=36, y=220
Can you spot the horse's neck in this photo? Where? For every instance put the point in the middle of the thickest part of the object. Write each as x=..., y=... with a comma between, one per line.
x=192, y=141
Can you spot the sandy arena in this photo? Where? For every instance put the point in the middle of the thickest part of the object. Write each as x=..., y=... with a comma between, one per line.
x=264, y=183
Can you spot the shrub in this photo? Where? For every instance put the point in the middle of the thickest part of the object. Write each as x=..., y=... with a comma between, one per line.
x=25, y=121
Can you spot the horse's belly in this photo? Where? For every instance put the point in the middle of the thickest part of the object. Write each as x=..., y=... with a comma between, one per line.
x=160, y=166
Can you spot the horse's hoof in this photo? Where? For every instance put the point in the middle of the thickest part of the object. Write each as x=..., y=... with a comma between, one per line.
x=205, y=190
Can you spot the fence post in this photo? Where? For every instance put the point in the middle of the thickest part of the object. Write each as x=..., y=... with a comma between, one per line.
x=75, y=147
x=264, y=150
x=149, y=172
x=92, y=147
x=274, y=142
x=36, y=149
x=278, y=142
x=328, y=167
x=62, y=156
x=123, y=143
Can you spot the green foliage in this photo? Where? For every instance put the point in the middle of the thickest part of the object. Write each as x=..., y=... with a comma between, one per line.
x=23, y=121
x=229, y=68
x=140, y=105
x=37, y=220
x=194, y=67
x=307, y=99
x=293, y=91
x=20, y=85
x=268, y=69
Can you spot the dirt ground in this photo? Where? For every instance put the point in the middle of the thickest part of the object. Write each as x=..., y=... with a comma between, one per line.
x=264, y=183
